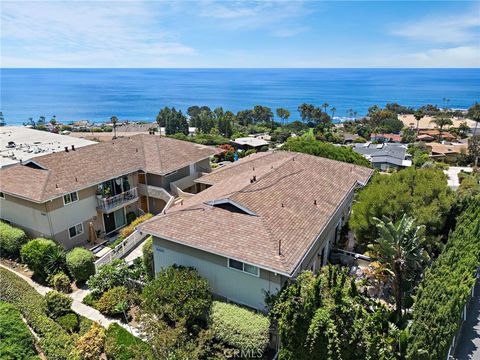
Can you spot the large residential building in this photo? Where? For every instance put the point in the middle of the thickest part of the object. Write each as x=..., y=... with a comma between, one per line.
x=68, y=195
x=258, y=222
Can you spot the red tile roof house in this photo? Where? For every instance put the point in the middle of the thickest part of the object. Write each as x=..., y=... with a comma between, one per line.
x=63, y=195
x=261, y=221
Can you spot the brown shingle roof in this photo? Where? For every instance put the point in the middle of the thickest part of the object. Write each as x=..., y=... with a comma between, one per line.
x=282, y=201
x=69, y=171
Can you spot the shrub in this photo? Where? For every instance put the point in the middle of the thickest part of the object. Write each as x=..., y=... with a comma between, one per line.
x=69, y=322
x=148, y=257
x=128, y=230
x=239, y=327
x=57, y=304
x=61, y=282
x=112, y=301
x=445, y=288
x=109, y=276
x=90, y=300
x=90, y=346
x=80, y=263
x=250, y=152
x=35, y=253
x=121, y=345
x=54, y=341
x=307, y=144
x=11, y=240
x=178, y=293
x=16, y=339
x=55, y=261
x=130, y=217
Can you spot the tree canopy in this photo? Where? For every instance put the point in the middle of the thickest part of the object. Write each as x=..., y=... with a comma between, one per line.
x=307, y=144
x=420, y=193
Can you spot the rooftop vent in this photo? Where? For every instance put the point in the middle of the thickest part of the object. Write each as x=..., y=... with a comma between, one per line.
x=66, y=148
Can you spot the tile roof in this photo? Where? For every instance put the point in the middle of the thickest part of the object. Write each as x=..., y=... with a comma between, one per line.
x=282, y=201
x=92, y=164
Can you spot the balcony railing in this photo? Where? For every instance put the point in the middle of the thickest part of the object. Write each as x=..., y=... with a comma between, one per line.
x=106, y=204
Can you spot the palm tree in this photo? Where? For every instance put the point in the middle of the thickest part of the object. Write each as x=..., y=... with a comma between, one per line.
x=114, y=121
x=442, y=120
x=325, y=106
x=419, y=115
x=333, y=110
x=399, y=249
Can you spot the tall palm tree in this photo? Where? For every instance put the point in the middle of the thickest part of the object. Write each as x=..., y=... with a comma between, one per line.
x=399, y=249
x=114, y=121
x=442, y=120
x=419, y=115
x=333, y=110
x=325, y=106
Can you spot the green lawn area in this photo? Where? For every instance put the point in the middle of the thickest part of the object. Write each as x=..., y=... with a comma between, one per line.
x=16, y=340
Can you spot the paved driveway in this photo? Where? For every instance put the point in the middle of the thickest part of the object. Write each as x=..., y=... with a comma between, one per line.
x=469, y=343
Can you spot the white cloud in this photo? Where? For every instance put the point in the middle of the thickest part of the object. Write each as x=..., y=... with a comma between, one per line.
x=454, y=29
x=461, y=56
x=85, y=34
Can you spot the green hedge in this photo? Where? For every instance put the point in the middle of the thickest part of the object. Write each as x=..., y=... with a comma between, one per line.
x=80, y=263
x=54, y=341
x=445, y=289
x=239, y=327
x=11, y=240
x=121, y=345
x=35, y=254
x=16, y=341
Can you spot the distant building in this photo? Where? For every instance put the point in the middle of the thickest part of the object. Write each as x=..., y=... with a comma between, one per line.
x=247, y=143
x=436, y=133
x=19, y=144
x=385, y=156
x=450, y=151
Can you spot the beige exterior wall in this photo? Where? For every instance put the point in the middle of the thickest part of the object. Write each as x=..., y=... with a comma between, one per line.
x=225, y=282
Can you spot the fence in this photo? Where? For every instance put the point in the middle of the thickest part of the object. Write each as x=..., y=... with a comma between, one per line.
x=121, y=249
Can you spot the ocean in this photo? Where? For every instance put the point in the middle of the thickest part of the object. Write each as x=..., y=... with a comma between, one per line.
x=138, y=94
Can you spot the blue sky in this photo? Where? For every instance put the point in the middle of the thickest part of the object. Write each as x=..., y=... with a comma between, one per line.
x=240, y=34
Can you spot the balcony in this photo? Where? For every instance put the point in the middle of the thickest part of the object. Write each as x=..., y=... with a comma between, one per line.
x=109, y=204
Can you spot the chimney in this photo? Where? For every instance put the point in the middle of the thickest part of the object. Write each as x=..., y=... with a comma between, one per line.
x=73, y=147
x=66, y=148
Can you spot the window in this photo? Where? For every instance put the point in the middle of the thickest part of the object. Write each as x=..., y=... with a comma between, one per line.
x=2, y=195
x=247, y=268
x=70, y=198
x=75, y=230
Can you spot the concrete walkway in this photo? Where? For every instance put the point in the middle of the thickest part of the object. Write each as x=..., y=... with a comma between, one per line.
x=77, y=306
x=468, y=346
x=452, y=173
x=136, y=252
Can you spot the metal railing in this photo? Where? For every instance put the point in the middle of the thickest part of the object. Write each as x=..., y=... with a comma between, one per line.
x=121, y=249
x=106, y=204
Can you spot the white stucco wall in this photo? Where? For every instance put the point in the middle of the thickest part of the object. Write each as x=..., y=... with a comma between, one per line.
x=24, y=216
x=232, y=284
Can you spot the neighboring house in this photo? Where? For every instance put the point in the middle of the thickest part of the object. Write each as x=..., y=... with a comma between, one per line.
x=64, y=195
x=260, y=221
x=395, y=138
x=349, y=138
x=247, y=143
x=20, y=143
x=450, y=152
x=425, y=138
x=385, y=156
x=436, y=133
